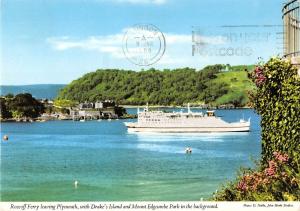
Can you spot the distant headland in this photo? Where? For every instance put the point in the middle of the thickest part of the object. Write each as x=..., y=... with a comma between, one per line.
x=38, y=91
x=25, y=108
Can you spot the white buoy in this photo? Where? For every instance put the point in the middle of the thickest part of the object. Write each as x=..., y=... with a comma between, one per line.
x=188, y=150
x=5, y=137
x=76, y=183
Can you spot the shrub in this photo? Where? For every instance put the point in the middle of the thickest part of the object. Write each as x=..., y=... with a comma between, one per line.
x=277, y=100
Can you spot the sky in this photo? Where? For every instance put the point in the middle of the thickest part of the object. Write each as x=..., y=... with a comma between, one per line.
x=57, y=41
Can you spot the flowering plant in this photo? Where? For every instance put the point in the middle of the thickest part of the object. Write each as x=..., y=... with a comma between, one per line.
x=259, y=76
x=277, y=100
x=277, y=181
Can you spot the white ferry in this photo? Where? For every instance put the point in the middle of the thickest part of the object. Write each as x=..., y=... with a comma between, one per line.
x=180, y=122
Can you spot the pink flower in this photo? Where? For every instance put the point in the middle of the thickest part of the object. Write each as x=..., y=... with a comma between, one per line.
x=271, y=170
x=258, y=70
x=259, y=76
x=242, y=185
x=281, y=157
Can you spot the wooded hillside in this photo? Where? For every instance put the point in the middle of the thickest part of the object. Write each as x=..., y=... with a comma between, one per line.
x=211, y=85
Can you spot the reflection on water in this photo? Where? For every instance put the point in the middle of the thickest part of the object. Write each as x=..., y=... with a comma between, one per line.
x=153, y=137
x=177, y=142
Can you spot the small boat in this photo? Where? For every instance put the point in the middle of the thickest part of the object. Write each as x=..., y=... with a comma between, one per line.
x=82, y=120
x=188, y=150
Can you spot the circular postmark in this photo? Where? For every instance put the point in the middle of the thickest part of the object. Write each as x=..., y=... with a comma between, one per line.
x=144, y=44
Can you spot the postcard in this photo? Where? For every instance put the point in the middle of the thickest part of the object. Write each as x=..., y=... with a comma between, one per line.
x=150, y=105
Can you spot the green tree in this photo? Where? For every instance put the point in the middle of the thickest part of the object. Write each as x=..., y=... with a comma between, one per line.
x=25, y=105
x=9, y=95
x=18, y=114
x=5, y=113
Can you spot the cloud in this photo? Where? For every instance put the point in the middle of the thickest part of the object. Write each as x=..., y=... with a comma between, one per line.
x=110, y=44
x=178, y=46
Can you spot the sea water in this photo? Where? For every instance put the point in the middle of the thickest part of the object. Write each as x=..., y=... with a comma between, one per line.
x=42, y=160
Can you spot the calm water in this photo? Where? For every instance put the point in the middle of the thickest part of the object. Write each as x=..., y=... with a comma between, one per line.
x=41, y=161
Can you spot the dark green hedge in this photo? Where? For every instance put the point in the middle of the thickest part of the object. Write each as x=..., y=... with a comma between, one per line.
x=277, y=100
x=277, y=175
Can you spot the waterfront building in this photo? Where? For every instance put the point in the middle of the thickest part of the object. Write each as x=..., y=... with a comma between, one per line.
x=101, y=109
x=97, y=105
x=86, y=105
x=105, y=104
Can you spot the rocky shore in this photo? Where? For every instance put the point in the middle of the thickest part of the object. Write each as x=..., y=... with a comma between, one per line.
x=60, y=118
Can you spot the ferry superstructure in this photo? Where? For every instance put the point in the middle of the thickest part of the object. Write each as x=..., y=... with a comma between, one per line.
x=184, y=122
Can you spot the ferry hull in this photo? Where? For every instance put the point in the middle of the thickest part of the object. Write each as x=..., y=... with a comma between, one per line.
x=189, y=130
